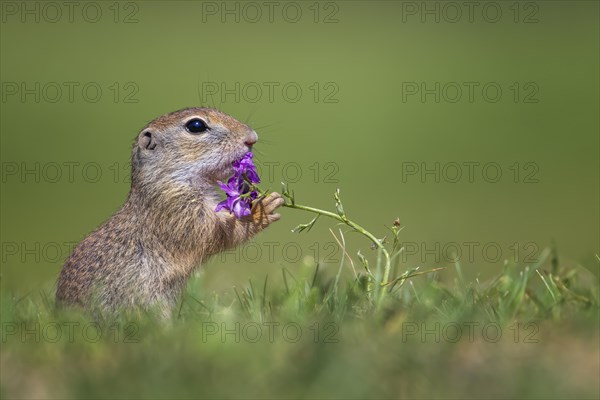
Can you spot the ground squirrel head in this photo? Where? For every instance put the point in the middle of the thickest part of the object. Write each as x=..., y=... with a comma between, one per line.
x=189, y=147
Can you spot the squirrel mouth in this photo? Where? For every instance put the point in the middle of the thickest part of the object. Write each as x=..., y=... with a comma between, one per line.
x=228, y=165
x=225, y=169
x=222, y=171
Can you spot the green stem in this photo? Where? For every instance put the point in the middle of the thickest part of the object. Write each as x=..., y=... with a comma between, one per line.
x=363, y=231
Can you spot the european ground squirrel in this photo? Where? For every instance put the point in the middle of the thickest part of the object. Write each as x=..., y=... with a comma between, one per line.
x=144, y=254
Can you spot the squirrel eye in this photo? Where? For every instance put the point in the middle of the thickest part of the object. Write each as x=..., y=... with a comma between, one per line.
x=196, y=125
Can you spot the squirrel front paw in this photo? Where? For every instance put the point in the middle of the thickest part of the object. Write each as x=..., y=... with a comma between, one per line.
x=263, y=211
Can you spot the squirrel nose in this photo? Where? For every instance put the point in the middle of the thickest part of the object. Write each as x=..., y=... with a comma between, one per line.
x=251, y=139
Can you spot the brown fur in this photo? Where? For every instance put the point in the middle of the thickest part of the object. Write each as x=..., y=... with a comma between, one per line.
x=143, y=255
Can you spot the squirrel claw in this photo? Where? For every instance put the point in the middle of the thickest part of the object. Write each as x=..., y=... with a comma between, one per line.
x=263, y=210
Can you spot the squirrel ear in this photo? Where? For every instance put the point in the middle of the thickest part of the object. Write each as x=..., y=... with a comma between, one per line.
x=146, y=141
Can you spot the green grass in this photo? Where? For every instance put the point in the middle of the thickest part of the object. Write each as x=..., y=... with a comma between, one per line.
x=548, y=347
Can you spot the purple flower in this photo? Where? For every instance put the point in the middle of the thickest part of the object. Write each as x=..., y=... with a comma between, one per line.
x=239, y=188
x=245, y=166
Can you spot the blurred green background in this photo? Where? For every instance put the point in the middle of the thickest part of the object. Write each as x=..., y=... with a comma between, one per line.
x=354, y=125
